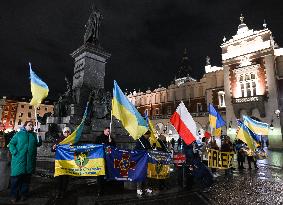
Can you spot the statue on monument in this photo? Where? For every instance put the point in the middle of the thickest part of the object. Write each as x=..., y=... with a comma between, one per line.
x=92, y=27
x=102, y=101
x=62, y=106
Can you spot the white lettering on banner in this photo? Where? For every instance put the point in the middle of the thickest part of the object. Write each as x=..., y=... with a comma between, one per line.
x=249, y=99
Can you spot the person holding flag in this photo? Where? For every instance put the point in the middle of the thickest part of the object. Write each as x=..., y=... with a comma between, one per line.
x=216, y=122
x=143, y=143
x=62, y=180
x=105, y=139
x=250, y=139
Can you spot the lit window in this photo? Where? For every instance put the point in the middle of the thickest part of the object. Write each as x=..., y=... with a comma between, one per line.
x=169, y=111
x=243, y=90
x=248, y=87
x=253, y=89
x=221, y=99
x=247, y=77
x=157, y=111
x=199, y=107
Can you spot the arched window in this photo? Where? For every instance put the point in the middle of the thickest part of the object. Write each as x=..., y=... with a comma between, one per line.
x=248, y=86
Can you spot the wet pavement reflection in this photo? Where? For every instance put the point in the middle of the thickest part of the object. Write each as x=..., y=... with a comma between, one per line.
x=262, y=186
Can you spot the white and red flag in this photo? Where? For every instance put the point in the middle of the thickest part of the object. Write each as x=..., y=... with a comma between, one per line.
x=184, y=124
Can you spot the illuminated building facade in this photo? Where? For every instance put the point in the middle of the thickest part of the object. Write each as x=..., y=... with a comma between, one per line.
x=15, y=111
x=249, y=82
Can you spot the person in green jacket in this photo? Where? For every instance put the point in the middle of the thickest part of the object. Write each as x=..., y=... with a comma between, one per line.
x=23, y=148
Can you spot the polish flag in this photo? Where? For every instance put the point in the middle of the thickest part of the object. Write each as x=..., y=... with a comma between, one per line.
x=184, y=124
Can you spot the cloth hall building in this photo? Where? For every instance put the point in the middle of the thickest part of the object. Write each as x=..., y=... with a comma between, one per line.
x=250, y=82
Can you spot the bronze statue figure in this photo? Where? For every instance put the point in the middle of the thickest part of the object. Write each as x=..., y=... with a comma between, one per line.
x=92, y=27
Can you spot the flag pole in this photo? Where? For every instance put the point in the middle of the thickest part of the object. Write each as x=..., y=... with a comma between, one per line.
x=36, y=123
x=110, y=126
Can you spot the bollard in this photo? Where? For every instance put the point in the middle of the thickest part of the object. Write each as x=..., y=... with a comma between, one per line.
x=4, y=169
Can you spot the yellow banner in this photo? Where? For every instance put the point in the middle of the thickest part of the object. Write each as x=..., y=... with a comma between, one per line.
x=158, y=171
x=158, y=166
x=220, y=160
x=94, y=167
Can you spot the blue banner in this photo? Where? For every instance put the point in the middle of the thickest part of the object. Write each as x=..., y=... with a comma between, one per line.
x=126, y=165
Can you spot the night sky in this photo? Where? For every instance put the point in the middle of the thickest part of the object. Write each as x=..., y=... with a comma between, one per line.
x=146, y=38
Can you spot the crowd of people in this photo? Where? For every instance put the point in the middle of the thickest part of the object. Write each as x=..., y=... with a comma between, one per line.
x=23, y=149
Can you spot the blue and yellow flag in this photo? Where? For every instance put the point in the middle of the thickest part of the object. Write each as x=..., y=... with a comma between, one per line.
x=39, y=89
x=152, y=138
x=245, y=135
x=126, y=112
x=80, y=160
x=215, y=119
x=217, y=132
x=158, y=166
x=75, y=136
x=259, y=128
x=126, y=165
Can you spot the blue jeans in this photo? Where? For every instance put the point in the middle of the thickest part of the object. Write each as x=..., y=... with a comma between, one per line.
x=20, y=185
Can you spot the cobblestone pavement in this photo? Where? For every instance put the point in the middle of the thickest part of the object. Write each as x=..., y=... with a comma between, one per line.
x=262, y=186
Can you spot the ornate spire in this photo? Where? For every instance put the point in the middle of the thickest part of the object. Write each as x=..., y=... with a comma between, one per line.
x=264, y=24
x=207, y=60
x=242, y=19
x=184, y=69
x=242, y=28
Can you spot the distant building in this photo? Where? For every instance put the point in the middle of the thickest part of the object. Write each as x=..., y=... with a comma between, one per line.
x=15, y=111
x=250, y=82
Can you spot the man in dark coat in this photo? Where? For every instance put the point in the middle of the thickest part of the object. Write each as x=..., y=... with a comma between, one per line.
x=106, y=140
x=143, y=144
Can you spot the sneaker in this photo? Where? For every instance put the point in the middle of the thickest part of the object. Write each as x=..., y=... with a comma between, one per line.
x=139, y=193
x=215, y=175
x=24, y=198
x=13, y=201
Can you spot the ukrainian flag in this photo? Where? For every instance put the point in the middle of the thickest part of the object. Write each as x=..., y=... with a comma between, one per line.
x=217, y=132
x=126, y=112
x=258, y=128
x=81, y=160
x=76, y=135
x=215, y=118
x=152, y=138
x=245, y=135
x=39, y=89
